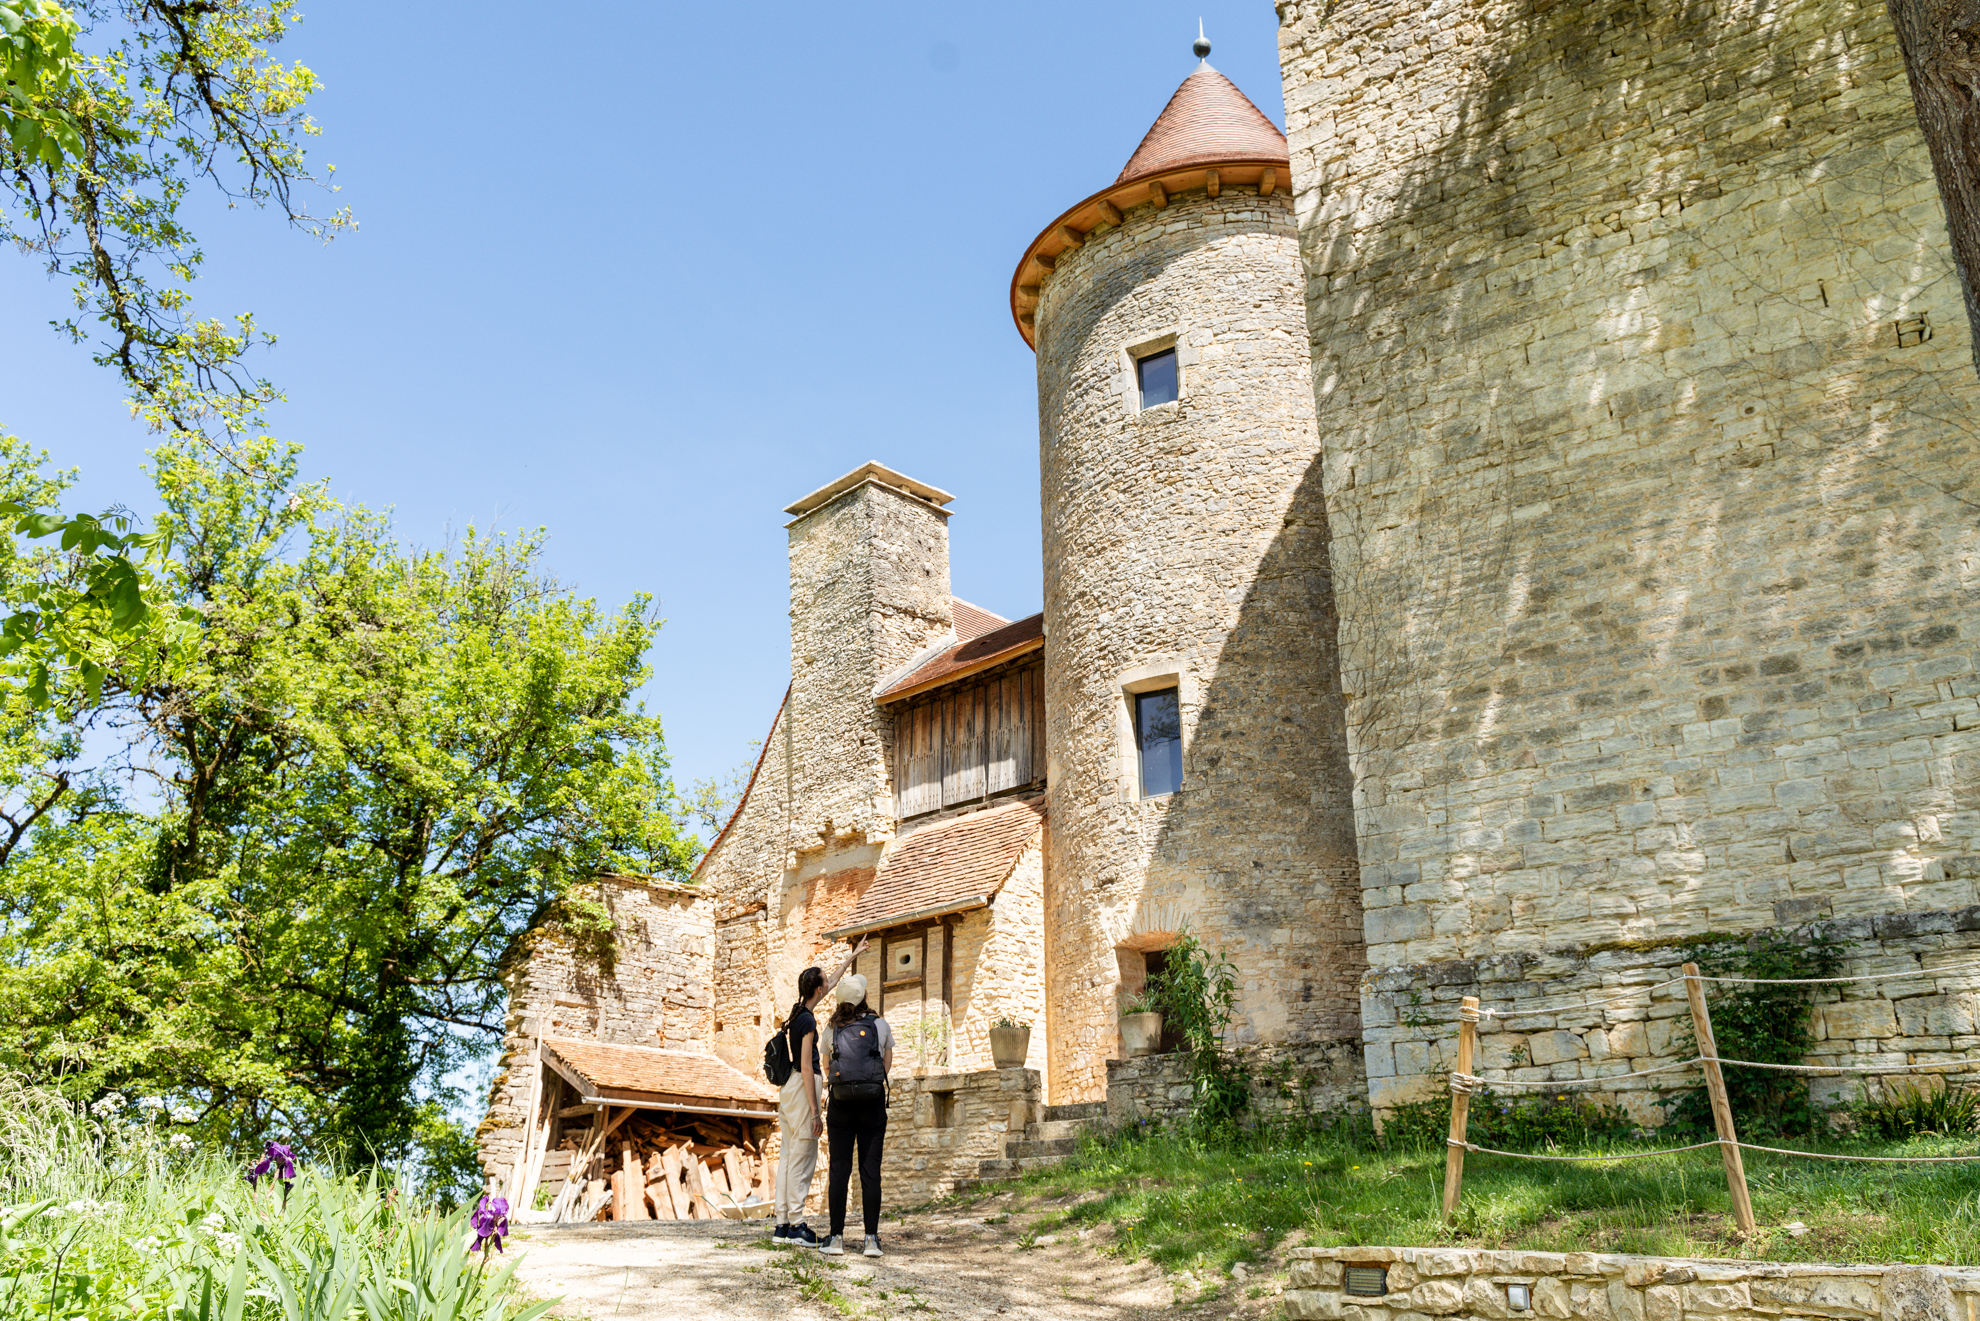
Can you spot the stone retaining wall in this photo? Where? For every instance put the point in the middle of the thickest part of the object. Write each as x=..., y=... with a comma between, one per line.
x=1411, y=1014
x=1307, y=1077
x=1587, y=1286
x=942, y=1126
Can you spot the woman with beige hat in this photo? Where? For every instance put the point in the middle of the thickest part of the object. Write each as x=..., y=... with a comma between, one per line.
x=862, y=1056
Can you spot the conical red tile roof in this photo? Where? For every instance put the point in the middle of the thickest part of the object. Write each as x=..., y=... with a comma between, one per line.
x=1206, y=121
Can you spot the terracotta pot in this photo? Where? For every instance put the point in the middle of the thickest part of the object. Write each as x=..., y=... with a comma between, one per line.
x=1009, y=1046
x=1141, y=1034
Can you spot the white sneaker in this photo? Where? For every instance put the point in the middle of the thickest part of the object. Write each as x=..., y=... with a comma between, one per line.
x=832, y=1245
x=873, y=1245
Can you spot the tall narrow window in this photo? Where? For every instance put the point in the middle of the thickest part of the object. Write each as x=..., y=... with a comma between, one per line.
x=1157, y=376
x=1158, y=735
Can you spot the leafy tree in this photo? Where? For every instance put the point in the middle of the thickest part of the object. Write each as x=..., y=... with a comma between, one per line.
x=365, y=776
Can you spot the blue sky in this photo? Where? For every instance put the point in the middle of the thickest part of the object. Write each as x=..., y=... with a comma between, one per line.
x=644, y=274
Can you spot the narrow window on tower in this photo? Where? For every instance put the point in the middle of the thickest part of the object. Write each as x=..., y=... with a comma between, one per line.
x=1156, y=374
x=1158, y=736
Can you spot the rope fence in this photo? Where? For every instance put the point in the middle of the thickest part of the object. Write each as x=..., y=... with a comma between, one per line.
x=1465, y=1084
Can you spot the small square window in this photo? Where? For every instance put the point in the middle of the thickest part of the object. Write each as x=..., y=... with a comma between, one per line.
x=1158, y=737
x=1156, y=375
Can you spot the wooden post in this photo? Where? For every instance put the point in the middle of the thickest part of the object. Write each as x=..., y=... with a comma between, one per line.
x=514, y=1188
x=1722, y=1114
x=1460, y=1106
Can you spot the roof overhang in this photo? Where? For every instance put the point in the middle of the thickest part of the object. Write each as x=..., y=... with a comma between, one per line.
x=954, y=676
x=879, y=475
x=1262, y=175
x=590, y=1092
x=902, y=919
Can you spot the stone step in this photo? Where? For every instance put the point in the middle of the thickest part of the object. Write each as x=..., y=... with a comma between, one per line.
x=1049, y=1147
x=1057, y=1128
x=1081, y=1110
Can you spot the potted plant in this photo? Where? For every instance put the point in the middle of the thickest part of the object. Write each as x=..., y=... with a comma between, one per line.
x=1010, y=1042
x=1141, y=1026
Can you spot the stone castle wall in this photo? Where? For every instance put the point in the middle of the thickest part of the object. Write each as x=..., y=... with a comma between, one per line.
x=1652, y=533
x=1304, y=1080
x=1189, y=540
x=1541, y=1031
x=656, y=991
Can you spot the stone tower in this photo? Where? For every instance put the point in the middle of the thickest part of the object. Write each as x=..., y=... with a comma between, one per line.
x=1187, y=593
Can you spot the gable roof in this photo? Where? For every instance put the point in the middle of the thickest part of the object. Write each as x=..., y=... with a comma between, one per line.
x=1002, y=643
x=1207, y=120
x=670, y=1079
x=948, y=867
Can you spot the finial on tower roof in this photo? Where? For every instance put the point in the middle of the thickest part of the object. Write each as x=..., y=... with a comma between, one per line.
x=1202, y=43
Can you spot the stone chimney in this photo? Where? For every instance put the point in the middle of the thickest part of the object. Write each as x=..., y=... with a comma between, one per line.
x=869, y=592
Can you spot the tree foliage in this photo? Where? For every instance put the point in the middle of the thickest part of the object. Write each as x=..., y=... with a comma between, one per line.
x=287, y=897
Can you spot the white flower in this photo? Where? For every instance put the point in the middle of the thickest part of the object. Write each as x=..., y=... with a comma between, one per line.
x=150, y=1103
x=227, y=1243
x=294, y=501
x=214, y=1223
x=181, y=1142
x=111, y=1103
x=147, y=1246
x=82, y=1206
x=183, y=1116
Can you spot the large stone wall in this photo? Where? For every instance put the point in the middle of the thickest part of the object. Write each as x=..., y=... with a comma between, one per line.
x=941, y=1127
x=1470, y=1283
x=1190, y=540
x=1537, y=1032
x=1653, y=536
x=654, y=989
x=1305, y=1080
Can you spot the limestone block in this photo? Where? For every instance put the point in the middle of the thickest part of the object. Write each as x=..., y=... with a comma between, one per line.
x=1663, y=1302
x=1822, y=1296
x=1437, y=1297
x=1485, y=1298
x=1856, y=1020
x=1556, y=1047
x=1434, y=1262
x=1716, y=1299
x=1551, y=1298
x=1312, y=1304
x=1625, y=1303
x=1937, y=1016
x=1916, y=1293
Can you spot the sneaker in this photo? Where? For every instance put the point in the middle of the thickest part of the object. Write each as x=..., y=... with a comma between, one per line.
x=802, y=1237
x=780, y=1237
x=832, y=1245
x=873, y=1245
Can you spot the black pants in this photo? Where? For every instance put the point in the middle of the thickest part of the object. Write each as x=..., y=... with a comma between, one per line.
x=863, y=1122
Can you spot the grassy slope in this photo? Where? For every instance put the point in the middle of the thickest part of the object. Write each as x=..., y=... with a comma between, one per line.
x=1196, y=1206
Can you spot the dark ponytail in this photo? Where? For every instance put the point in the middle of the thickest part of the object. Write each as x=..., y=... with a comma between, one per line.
x=808, y=983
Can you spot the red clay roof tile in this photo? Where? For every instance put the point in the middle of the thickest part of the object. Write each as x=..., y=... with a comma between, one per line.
x=951, y=865
x=1206, y=121
x=973, y=621
x=971, y=655
x=660, y=1072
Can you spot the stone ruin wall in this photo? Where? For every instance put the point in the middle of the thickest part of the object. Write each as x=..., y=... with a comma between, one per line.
x=1651, y=506
x=1469, y=1284
x=1187, y=539
x=658, y=992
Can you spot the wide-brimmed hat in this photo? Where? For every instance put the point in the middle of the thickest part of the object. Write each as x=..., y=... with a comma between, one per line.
x=851, y=990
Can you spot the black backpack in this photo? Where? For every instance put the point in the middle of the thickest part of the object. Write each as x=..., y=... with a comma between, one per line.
x=778, y=1065
x=858, y=1072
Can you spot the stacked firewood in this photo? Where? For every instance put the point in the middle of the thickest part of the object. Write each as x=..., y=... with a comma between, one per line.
x=664, y=1165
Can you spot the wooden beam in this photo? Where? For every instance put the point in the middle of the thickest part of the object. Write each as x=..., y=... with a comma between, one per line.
x=1108, y=211
x=1267, y=182
x=1072, y=237
x=573, y=1111
x=1214, y=181
x=1027, y=291
x=1157, y=193
x=1045, y=262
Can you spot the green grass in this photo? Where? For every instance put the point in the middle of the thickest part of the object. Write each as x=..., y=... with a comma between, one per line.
x=1195, y=1205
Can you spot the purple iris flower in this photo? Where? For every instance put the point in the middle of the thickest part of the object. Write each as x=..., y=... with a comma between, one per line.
x=277, y=1158
x=491, y=1223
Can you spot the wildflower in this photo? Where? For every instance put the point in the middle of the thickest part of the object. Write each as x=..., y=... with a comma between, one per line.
x=83, y=1206
x=147, y=1246
x=111, y=1103
x=278, y=1159
x=213, y=1223
x=181, y=1142
x=491, y=1223
x=229, y=1244
x=152, y=1103
x=183, y=1116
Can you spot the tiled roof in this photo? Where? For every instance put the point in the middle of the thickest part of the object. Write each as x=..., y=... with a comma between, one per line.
x=1206, y=121
x=969, y=656
x=612, y=1070
x=949, y=866
x=973, y=621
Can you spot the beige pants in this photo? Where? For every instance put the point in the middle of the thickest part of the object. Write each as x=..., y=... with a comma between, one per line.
x=797, y=1150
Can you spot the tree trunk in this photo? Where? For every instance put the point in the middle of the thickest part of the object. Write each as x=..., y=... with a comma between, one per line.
x=1941, y=44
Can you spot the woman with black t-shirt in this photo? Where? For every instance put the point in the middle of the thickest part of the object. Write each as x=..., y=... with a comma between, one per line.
x=798, y=1124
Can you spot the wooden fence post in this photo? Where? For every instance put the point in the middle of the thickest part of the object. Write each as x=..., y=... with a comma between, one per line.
x=1722, y=1115
x=1460, y=1106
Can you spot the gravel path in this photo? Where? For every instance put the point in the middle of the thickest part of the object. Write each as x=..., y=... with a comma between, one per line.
x=951, y=1265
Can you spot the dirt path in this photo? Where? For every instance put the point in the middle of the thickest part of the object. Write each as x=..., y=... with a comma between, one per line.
x=938, y=1264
